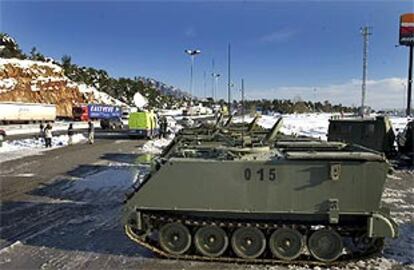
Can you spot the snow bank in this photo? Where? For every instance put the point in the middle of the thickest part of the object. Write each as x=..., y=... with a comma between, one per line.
x=155, y=146
x=34, y=128
x=100, y=97
x=27, y=147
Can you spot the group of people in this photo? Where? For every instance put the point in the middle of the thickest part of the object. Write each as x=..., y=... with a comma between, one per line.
x=47, y=135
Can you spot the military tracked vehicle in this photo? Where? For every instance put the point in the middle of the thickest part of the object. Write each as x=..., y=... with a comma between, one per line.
x=310, y=202
x=405, y=141
x=373, y=132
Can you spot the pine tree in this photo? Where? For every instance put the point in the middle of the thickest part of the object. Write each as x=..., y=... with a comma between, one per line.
x=9, y=47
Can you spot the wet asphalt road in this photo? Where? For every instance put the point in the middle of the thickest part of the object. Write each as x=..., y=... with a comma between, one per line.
x=61, y=210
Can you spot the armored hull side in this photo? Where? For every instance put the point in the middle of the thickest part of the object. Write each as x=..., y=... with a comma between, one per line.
x=277, y=204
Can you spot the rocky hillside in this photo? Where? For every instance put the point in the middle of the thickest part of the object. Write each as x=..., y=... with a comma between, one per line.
x=64, y=77
x=44, y=82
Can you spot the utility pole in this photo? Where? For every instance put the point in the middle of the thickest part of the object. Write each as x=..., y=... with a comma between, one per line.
x=242, y=100
x=212, y=79
x=228, y=78
x=204, y=84
x=410, y=80
x=365, y=32
x=216, y=76
x=192, y=54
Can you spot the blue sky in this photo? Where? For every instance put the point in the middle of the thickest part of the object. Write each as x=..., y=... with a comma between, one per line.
x=283, y=49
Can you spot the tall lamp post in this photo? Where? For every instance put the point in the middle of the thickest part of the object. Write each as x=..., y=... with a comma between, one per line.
x=216, y=77
x=192, y=54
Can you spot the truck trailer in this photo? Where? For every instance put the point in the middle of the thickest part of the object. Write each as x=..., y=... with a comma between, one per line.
x=18, y=112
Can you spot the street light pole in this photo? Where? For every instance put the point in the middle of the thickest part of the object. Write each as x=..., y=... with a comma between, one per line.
x=215, y=76
x=410, y=80
x=192, y=54
x=228, y=79
x=242, y=101
x=404, y=88
x=365, y=32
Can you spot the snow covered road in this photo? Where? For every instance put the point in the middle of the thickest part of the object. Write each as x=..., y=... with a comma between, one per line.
x=62, y=209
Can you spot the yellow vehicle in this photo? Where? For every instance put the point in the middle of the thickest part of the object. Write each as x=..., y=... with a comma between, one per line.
x=143, y=124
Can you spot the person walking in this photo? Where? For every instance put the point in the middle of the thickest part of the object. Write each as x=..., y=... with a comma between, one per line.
x=42, y=132
x=48, y=135
x=164, y=127
x=91, y=132
x=160, y=123
x=70, y=134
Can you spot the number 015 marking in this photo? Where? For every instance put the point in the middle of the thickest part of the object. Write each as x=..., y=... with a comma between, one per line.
x=262, y=174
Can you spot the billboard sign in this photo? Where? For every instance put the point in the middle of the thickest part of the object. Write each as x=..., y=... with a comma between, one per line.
x=407, y=29
x=104, y=111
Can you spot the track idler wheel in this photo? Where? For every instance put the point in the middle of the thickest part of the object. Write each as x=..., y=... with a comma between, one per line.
x=175, y=238
x=286, y=243
x=325, y=245
x=248, y=242
x=211, y=241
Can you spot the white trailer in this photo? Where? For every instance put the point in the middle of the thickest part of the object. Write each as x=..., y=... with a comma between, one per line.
x=16, y=112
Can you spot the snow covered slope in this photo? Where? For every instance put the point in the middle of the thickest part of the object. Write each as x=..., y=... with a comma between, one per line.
x=45, y=82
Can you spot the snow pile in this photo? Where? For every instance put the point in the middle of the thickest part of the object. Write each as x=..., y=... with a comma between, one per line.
x=19, y=129
x=7, y=84
x=156, y=146
x=100, y=97
x=26, y=147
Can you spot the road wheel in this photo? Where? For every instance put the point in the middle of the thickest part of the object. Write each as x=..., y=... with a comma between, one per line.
x=175, y=238
x=248, y=242
x=286, y=243
x=325, y=245
x=211, y=241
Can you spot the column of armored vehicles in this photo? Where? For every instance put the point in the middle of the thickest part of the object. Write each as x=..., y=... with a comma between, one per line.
x=240, y=193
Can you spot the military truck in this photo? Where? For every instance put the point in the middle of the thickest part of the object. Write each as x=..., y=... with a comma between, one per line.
x=310, y=202
x=372, y=132
x=405, y=141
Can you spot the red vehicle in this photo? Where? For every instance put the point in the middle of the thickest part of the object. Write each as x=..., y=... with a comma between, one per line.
x=96, y=112
x=80, y=113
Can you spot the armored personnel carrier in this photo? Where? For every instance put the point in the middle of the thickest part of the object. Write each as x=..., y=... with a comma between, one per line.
x=373, y=132
x=405, y=141
x=310, y=202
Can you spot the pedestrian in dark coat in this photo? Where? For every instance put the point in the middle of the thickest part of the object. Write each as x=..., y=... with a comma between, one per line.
x=70, y=134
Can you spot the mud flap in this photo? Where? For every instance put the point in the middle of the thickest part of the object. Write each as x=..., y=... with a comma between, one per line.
x=382, y=226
